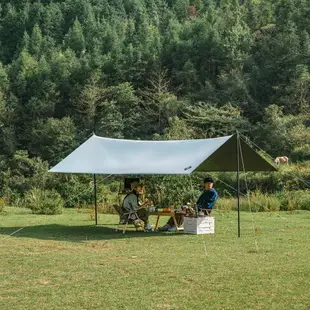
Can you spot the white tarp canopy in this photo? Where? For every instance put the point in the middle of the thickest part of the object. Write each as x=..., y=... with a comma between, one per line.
x=100, y=155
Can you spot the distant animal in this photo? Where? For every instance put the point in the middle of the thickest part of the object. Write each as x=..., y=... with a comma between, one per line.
x=281, y=160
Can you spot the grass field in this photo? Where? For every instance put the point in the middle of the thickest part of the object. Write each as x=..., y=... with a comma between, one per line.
x=65, y=262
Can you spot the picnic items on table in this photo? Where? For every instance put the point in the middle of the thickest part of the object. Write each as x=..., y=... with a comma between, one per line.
x=164, y=210
x=176, y=216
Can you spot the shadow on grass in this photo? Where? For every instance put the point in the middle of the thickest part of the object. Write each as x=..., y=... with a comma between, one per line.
x=77, y=233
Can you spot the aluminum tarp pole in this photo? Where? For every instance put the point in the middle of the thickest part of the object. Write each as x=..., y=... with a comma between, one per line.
x=95, y=199
x=238, y=182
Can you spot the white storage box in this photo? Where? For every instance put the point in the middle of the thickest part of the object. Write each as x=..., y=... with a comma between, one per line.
x=200, y=225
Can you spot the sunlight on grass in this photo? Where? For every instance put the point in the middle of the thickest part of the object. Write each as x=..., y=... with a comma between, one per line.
x=65, y=262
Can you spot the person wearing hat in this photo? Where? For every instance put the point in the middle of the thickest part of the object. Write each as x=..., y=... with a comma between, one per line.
x=131, y=204
x=208, y=198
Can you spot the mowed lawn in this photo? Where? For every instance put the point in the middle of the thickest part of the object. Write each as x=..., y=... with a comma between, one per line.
x=65, y=262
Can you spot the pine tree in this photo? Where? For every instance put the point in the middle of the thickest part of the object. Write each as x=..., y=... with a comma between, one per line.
x=85, y=106
x=75, y=38
x=53, y=21
x=36, y=41
x=110, y=123
x=25, y=43
x=180, y=8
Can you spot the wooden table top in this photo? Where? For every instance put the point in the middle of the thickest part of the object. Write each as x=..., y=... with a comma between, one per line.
x=161, y=213
x=166, y=213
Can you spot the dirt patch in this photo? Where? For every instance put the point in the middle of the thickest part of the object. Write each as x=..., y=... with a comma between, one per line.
x=44, y=281
x=97, y=246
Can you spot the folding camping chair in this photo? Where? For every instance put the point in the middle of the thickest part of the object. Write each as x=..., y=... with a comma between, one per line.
x=126, y=218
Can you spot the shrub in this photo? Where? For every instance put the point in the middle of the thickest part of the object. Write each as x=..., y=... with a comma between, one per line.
x=274, y=203
x=304, y=201
x=260, y=202
x=44, y=201
x=301, y=153
x=74, y=189
x=225, y=204
x=78, y=189
x=295, y=200
x=21, y=173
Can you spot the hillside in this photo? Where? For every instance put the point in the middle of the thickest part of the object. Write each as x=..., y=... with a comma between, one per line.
x=150, y=69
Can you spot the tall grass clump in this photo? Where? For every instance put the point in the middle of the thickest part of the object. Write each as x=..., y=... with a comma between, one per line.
x=44, y=201
x=261, y=202
x=226, y=204
x=304, y=201
x=295, y=200
x=256, y=202
x=2, y=204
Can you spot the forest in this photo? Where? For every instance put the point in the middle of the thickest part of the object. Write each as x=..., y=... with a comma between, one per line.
x=149, y=69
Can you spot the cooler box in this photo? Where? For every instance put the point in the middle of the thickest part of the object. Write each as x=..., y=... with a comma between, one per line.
x=198, y=226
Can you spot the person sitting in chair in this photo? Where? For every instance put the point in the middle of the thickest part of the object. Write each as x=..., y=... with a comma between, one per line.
x=207, y=199
x=131, y=205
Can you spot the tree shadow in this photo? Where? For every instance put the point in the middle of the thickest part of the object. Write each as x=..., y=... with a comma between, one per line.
x=77, y=233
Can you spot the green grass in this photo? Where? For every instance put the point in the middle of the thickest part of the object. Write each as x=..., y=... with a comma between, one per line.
x=65, y=262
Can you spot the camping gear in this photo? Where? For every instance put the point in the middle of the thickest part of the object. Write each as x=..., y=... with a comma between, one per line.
x=99, y=155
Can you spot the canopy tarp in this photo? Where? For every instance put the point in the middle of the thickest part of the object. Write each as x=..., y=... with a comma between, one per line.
x=100, y=155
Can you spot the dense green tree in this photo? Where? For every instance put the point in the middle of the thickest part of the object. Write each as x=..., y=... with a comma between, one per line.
x=129, y=105
x=21, y=173
x=75, y=38
x=53, y=21
x=53, y=139
x=159, y=104
x=180, y=8
x=111, y=124
x=211, y=121
x=284, y=134
x=36, y=41
x=297, y=97
x=7, y=116
x=177, y=129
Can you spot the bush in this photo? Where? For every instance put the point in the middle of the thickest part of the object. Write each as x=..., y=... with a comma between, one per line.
x=274, y=203
x=301, y=153
x=295, y=200
x=260, y=202
x=304, y=201
x=21, y=173
x=74, y=189
x=44, y=201
x=226, y=204
x=256, y=202
x=78, y=189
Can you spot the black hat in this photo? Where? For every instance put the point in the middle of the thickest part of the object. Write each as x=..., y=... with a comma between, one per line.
x=208, y=180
